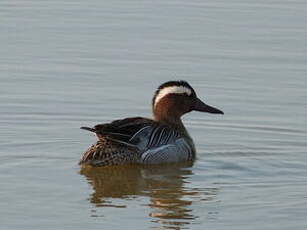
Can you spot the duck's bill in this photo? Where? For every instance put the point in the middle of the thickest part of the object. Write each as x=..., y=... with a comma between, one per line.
x=202, y=107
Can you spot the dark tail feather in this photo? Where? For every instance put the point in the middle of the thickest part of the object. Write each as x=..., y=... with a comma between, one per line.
x=88, y=129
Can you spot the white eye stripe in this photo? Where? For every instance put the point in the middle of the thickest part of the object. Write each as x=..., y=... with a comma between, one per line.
x=172, y=89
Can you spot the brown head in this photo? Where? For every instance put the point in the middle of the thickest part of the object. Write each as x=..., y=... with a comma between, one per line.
x=176, y=98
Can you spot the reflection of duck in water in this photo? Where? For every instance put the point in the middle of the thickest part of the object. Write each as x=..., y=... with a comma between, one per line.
x=141, y=140
x=170, y=201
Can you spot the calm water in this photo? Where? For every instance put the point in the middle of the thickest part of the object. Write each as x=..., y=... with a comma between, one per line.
x=66, y=64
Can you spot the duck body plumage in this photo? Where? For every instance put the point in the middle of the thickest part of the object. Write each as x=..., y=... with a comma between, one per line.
x=138, y=140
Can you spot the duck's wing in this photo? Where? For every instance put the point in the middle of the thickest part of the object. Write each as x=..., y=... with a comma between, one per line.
x=122, y=130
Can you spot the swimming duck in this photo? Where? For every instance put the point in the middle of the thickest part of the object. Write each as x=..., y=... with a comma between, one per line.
x=163, y=139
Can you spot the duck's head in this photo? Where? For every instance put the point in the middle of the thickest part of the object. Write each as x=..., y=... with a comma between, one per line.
x=176, y=98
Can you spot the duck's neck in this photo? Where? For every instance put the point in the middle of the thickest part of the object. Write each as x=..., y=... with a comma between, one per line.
x=169, y=117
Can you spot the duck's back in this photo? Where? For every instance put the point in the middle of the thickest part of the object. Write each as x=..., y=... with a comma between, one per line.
x=137, y=140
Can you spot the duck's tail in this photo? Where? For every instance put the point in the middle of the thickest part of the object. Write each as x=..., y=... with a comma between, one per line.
x=89, y=129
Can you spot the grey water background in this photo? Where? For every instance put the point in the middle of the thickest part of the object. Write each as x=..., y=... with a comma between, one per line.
x=66, y=64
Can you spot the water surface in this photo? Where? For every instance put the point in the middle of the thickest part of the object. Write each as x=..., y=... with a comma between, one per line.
x=66, y=64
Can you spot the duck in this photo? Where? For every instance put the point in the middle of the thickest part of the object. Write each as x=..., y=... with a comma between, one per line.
x=158, y=140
